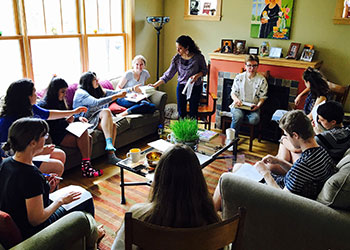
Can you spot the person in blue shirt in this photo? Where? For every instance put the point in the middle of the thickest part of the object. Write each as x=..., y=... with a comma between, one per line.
x=96, y=99
x=20, y=101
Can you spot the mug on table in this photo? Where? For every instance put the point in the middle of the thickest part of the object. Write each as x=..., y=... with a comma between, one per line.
x=134, y=154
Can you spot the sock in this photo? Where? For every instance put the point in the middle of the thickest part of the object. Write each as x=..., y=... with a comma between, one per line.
x=109, y=145
x=112, y=159
x=85, y=159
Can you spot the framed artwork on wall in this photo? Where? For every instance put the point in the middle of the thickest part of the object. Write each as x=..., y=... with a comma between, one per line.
x=271, y=19
x=226, y=46
x=208, y=10
x=293, y=51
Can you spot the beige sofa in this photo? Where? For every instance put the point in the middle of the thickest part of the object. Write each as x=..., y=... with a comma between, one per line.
x=129, y=130
x=277, y=219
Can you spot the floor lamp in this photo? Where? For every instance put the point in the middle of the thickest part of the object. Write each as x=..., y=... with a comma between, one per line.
x=158, y=23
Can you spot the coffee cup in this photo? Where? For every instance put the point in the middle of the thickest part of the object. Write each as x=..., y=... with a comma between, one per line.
x=171, y=137
x=230, y=134
x=134, y=154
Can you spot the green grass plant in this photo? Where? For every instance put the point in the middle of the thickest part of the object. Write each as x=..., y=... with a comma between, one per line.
x=185, y=130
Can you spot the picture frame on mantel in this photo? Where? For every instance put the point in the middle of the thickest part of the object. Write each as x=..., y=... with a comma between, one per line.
x=293, y=51
x=198, y=10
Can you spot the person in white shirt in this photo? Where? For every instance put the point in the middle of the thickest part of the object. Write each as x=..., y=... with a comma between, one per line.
x=250, y=87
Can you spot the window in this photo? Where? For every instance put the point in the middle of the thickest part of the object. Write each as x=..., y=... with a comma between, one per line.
x=63, y=37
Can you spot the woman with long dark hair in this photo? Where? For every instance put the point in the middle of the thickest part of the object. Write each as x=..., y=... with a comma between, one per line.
x=189, y=63
x=96, y=99
x=179, y=196
x=55, y=99
x=316, y=87
x=24, y=189
x=20, y=101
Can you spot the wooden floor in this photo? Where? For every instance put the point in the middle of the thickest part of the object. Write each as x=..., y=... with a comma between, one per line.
x=74, y=177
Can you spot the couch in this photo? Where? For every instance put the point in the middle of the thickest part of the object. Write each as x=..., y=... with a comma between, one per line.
x=277, y=219
x=76, y=230
x=128, y=129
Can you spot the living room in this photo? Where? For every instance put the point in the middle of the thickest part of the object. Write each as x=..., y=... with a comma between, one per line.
x=312, y=24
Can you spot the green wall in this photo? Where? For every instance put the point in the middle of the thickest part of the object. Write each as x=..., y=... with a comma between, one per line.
x=312, y=24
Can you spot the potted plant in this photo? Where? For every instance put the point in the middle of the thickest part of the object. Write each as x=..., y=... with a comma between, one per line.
x=185, y=131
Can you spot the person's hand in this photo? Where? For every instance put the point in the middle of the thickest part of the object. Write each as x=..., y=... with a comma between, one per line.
x=194, y=78
x=263, y=20
x=269, y=159
x=262, y=168
x=69, y=197
x=79, y=110
x=47, y=149
x=254, y=107
x=83, y=119
x=297, y=100
x=53, y=182
x=70, y=119
x=121, y=94
x=137, y=88
x=237, y=102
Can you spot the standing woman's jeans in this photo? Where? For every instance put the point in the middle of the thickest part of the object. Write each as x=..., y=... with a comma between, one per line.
x=194, y=101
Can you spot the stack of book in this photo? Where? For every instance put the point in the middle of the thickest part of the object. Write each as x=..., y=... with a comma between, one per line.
x=206, y=135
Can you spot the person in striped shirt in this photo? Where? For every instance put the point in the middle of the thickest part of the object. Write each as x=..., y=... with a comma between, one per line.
x=308, y=174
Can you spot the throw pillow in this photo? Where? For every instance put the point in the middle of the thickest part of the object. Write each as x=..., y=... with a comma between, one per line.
x=106, y=84
x=116, y=109
x=336, y=191
x=70, y=94
x=9, y=232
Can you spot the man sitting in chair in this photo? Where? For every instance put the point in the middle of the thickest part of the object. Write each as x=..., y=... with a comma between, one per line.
x=330, y=134
x=249, y=88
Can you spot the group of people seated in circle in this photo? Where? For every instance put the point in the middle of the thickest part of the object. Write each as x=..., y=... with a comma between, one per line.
x=304, y=161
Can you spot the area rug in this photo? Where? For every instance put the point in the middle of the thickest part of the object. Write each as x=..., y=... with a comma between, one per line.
x=110, y=212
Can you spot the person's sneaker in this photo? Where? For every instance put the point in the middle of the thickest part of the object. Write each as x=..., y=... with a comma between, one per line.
x=112, y=159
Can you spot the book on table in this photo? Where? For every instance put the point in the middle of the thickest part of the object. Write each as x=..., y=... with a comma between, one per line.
x=206, y=135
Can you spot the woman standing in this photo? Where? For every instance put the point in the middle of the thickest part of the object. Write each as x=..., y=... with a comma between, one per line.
x=96, y=99
x=131, y=82
x=28, y=203
x=20, y=101
x=189, y=63
x=55, y=99
x=179, y=197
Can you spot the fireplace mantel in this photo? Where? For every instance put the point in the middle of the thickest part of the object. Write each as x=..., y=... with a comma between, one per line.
x=267, y=61
x=279, y=68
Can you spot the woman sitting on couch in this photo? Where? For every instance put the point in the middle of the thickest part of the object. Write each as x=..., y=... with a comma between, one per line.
x=91, y=95
x=55, y=99
x=20, y=101
x=24, y=189
x=132, y=80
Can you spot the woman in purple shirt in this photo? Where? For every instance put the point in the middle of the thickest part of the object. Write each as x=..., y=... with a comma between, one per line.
x=189, y=63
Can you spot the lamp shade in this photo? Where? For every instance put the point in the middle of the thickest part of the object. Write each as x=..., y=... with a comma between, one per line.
x=158, y=21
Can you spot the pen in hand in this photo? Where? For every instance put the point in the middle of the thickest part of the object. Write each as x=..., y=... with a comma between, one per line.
x=48, y=175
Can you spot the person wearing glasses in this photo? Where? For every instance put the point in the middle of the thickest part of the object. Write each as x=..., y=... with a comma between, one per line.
x=249, y=87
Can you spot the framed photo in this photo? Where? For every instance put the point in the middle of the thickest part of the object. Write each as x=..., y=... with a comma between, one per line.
x=308, y=46
x=226, y=46
x=293, y=51
x=253, y=50
x=307, y=55
x=275, y=52
x=239, y=47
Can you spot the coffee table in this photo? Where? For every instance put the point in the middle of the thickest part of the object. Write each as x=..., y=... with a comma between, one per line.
x=207, y=152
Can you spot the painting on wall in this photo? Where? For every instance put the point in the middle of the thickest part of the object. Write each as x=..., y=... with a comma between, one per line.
x=271, y=19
